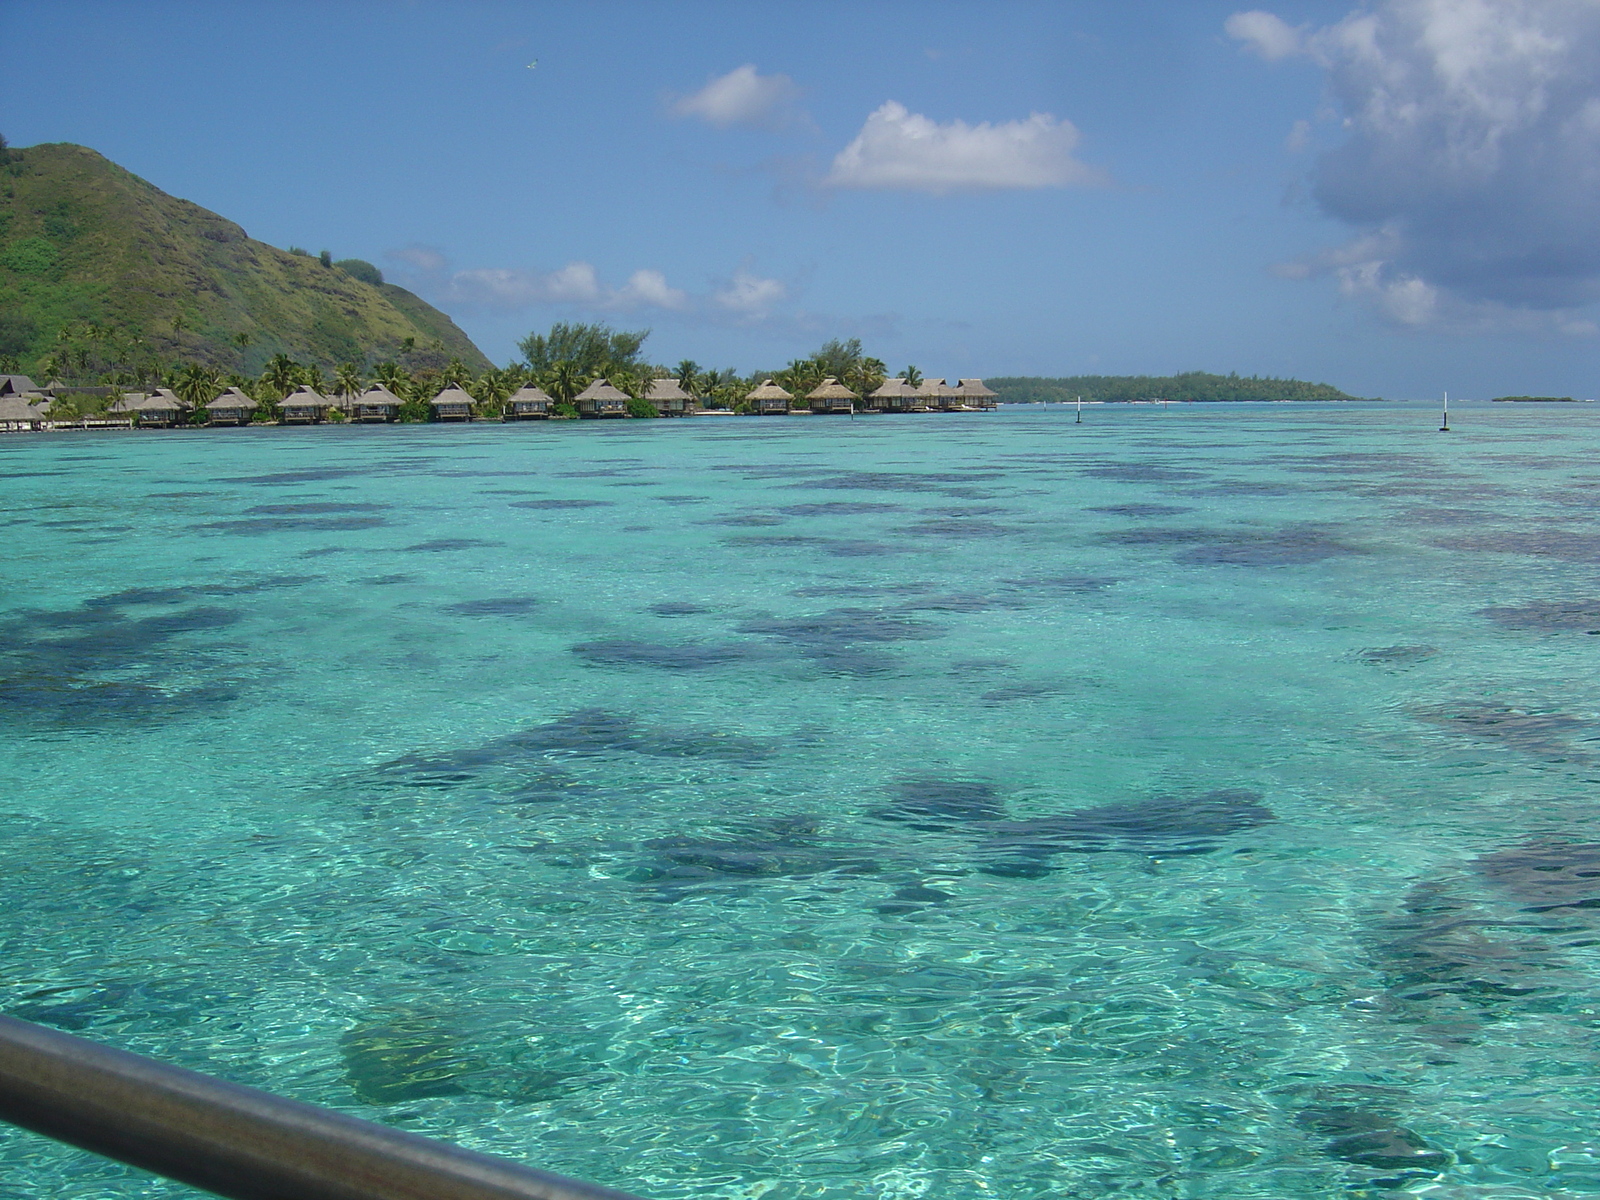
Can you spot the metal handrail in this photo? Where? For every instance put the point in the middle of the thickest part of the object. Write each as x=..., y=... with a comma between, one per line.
x=238, y=1141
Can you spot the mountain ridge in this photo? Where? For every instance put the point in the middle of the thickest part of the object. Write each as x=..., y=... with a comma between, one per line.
x=90, y=247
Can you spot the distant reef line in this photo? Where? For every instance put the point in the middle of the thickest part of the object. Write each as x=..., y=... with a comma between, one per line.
x=1194, y=386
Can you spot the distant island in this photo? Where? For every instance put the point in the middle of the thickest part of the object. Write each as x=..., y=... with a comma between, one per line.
x=1190, y=386
x=1534, y=400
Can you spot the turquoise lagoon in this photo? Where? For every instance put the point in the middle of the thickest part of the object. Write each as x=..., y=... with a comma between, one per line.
x=1187, y=803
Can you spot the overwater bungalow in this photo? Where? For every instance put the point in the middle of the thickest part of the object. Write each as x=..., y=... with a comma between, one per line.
x=831, y=396
x=452, y=404
x=934, y=395
x=305, y=407
x=17, y=415
x=600, y=399
x=975, y=395
x=528, y=404
x=161, y=408
x=770, y=400
x=375, y=405
x=670, y=399
x=892, y=395
x=233, y=407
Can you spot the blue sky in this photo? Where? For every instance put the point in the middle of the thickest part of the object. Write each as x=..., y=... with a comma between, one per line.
x=1397, y=197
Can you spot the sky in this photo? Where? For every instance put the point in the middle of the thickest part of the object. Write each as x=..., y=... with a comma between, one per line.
x=1399, y=197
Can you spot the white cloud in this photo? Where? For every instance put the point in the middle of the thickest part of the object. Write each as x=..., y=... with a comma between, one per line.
x=649, y=289
x=746, y=298
x=1471, y=166
x=749, y=296
x=1299, y=137
x=900, y=149
x=743, y=97
x=422, y=258
x=1267, y=35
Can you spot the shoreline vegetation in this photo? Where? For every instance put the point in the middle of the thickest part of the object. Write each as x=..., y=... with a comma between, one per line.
x=1189, y=387
x=573, y=370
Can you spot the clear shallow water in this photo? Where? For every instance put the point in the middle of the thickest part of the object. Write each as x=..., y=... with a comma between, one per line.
x=828, y=808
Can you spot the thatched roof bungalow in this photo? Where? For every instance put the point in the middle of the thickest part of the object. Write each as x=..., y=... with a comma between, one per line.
x=974, y=394
x=529, y=403
x=452, y=404
x=160, y=408
x=934, y=395
x=304, y=407
x=375, y=404
x=233, y=407
x=831, y=396
x=17, y=415
x=892, y=395
x=670, y=399
x=770, y=400
x=16, y=385
x=600, y=399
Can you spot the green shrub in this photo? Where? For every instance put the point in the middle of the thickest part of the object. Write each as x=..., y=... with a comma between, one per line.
x=641, y=408
x=360, y=269
x=31, y=256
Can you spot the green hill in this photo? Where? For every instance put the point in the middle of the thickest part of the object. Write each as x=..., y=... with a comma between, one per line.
x=137, y=275
x=1191, y=385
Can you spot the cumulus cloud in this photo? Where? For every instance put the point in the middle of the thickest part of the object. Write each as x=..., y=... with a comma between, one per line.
x=899, y=149
x=743, y=96
x=1264, y=33
x=749, y=296
x=1471, y=165
x=745, y=298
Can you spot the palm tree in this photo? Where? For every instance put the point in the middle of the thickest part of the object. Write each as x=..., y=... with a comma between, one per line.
x=197, y=386
x=394, y=377
x=912, y=376
x=564, y=380
x=458, y=373
x=241, y=339
x=687, y=373
x=281, y=374
x=313, y=378
x=347, y=380
x=491, y=390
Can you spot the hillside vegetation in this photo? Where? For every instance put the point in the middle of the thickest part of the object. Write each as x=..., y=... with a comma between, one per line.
x=102, y=272
x=1192, y=385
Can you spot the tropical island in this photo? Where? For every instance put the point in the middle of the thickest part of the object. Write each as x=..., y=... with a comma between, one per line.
x=134, y=306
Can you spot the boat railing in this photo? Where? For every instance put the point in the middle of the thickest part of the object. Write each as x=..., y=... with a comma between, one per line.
x=239, y=1141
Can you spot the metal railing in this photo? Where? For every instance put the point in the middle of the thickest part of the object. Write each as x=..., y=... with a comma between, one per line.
x=238, y=1141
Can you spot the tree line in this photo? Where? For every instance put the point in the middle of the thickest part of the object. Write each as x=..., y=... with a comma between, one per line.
x=1190, y=385
x=562, y=361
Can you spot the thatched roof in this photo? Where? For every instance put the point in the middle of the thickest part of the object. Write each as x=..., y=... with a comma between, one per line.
x=304, y=398
x=601, y=390
x=160, y=400
x=933, y=389
x=891, y=387
x=973, y=389
x=11, y=385
x=232, y=398
x=830, y=389
x=127, y=402
x=14, y=408
x=378, y=394
x=667, y=389
x=529, y=394
x=770, y=391
x=452, y=395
